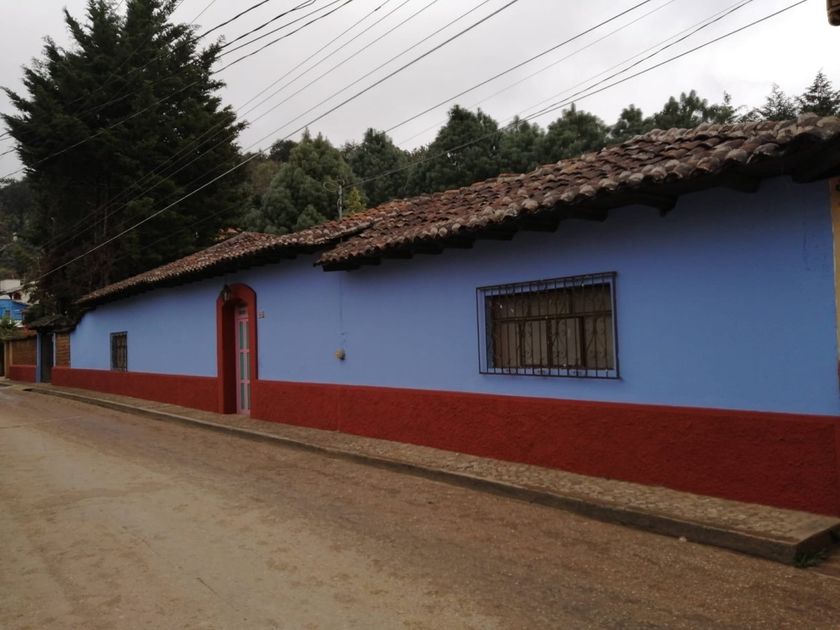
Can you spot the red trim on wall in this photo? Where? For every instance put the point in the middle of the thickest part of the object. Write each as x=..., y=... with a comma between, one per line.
x=198, y=392
x=226, y=343
x=786, y=460
x=22, y=373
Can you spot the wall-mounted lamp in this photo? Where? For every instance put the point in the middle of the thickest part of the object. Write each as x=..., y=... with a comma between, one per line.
x=226, y=294
x=340, y=354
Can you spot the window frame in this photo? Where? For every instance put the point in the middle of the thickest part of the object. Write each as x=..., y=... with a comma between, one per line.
x=114, y=336
x=484, y=322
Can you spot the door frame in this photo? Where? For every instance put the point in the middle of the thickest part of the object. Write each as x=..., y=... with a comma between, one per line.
x=231, y=297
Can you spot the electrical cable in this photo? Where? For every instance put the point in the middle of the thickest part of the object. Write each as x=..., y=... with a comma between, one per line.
x=282, y=37
x=385, y=63
x=221, y=127
x=255, y=155
x=143, y=110
x=521, y=63
x=559, y=105
x=535, y=73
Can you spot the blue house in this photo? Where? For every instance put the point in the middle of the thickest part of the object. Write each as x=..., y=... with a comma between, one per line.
x=663, y=311
x=12, y=308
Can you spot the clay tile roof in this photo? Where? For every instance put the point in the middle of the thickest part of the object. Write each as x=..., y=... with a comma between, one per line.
x=652, y=168
x=662, y=162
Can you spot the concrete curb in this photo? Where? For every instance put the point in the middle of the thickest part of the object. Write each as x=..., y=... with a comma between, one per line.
x=778, y=549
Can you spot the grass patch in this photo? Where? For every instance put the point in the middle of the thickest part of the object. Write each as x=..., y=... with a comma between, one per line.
x=806, y=559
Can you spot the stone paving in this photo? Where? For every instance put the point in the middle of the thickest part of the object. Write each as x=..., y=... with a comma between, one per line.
x=752, y=520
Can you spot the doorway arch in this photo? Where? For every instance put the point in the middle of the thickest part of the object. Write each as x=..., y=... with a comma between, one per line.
x=231, y=301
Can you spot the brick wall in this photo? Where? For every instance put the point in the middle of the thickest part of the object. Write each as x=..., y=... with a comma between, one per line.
x=23, y=351
x=62, y=350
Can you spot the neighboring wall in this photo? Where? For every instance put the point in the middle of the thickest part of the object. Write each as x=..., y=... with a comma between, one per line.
x=62, y=350
x=21, y=362
x=172, y=331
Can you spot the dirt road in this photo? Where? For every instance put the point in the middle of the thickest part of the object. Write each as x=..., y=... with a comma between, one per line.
x=114, y=521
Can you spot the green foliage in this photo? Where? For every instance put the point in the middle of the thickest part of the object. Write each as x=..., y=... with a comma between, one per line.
x=375, y=157
x=820, y=97
x=631, y=122
x=777, y=106
x=140, y=66
x=573, y=134
x=309, y=180
x=7, y=324
x=354, y=201
x=521, y=146
x=17, y=255
x=281, y=149
x=458, y=163
x=310, y=217
x=688, y=111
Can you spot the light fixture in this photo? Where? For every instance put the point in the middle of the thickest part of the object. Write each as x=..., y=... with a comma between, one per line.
x=226, y=294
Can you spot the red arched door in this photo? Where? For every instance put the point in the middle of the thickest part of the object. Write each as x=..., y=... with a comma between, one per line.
x=243, y=360
x=236, y=332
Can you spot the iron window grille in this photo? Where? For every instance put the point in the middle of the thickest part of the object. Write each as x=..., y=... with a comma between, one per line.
x=119, y=351
x=558, y=327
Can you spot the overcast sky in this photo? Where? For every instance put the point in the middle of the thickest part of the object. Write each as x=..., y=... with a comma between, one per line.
x=787, y=50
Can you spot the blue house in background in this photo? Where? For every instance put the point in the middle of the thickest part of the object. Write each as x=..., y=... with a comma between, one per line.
x=663, y=311
x=12, y=308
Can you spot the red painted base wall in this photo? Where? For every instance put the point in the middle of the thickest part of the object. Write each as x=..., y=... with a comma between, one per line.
x=786, y=460
x=198, y=392
x=22, y=373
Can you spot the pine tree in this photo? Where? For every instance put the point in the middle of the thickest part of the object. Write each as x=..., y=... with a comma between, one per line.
x=521, y=146
x=631, y=122
x=130, y=93
x=777, y=106
x=374, y=157
x=305, y=190
x=465, y=150
x=573, y=134
x=820, y=97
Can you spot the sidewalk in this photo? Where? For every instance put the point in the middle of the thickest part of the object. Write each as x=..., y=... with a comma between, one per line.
x=776, y=534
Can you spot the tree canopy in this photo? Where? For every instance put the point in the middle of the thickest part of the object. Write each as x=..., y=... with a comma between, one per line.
x=128, y=113
x=304, y=190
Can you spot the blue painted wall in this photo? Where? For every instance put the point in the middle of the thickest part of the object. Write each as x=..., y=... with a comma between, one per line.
x=726, y=302
x=13, y=308
x=170, y=331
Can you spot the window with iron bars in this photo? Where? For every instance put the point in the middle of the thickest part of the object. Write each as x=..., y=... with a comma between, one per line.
x=119, y=351
x=558, y=327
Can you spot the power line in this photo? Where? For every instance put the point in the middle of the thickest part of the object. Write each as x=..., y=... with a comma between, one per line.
x=521, y=63
x=559, y=105
x=115, y=72
x=264, y=24
x=385, y=63
x=140, y=111
x=203, y=11
x=234, y=18
x=693, y=28
x=699, y=28
x=346, y=87
x=254, y=156
x=535, y=73
x=197, y=142
x=352, y=56
x=282, y=37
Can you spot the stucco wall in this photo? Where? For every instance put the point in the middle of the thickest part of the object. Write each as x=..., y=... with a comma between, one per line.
x=170, y=331
x=726, y=302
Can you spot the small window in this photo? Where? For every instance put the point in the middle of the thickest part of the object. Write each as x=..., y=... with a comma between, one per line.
x=119, y=351
x=559, y=327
